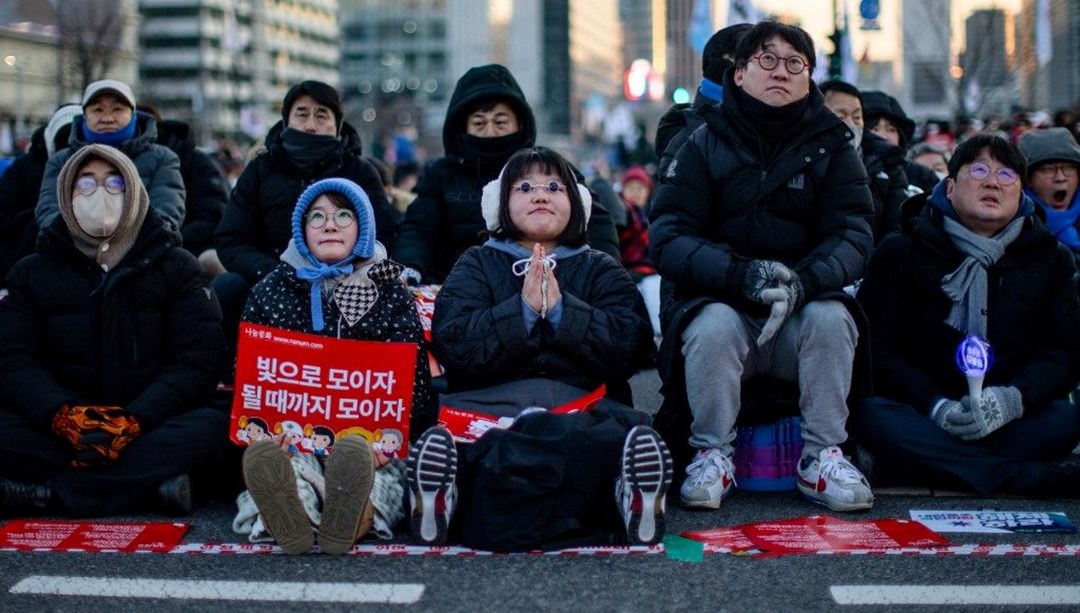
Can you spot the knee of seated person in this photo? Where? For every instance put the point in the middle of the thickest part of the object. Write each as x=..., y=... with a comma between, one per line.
x=715, y=323
x=828, y=315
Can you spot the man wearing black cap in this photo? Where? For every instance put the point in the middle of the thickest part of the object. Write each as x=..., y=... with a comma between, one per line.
x=680, y=120
x=311, y=142
x=1053, y=159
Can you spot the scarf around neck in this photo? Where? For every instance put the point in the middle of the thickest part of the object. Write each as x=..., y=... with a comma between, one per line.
x=1061, y=223
x=967, y=286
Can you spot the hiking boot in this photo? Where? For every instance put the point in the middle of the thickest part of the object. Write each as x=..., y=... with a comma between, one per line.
x=350, y=475
x=19, y=499
x=709, y=479
x=271, y=482
x=831, y=480
x=641, y=489
x=432, y=469
x=1059, y=479
x=174, y=496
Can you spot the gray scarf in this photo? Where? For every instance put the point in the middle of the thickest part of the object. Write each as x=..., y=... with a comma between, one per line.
x=967, y=285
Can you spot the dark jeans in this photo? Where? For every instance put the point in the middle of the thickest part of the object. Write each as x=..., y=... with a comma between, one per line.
x=909, y=448
x=181, y=445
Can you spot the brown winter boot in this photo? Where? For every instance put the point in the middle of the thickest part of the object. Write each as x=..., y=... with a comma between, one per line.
x=347, y=512
x=272, y=483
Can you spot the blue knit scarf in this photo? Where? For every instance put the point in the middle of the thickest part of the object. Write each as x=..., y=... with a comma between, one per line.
x=112, y=139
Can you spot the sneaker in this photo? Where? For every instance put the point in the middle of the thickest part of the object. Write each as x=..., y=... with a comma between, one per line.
x=709, y=479
x=432, y=469
x=641, y=490
x=272, y=484
x=174, y=496
x=831, y=480
x=19, y=499
x=350, y=475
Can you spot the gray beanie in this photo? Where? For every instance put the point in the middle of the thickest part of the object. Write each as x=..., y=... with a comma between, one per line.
x=1050, y=145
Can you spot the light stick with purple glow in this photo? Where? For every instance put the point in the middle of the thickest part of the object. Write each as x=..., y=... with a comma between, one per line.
x=974, y=357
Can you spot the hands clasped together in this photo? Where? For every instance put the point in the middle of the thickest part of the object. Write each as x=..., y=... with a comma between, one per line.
x=97, y=433
x=974, y=419
x=774, y=284
x=540, y=289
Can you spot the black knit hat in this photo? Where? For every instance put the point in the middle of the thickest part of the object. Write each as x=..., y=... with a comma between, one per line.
x=321, y=92
x=878, y=104
x=713, y=63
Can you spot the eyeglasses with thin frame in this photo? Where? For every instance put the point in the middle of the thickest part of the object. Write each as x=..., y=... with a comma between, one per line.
x=552, y=188
x=980, y=171
x=793, y=64
x=1051, y=170
x=114, y=184
x=343, y=218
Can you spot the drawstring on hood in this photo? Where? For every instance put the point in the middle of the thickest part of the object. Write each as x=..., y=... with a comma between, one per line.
x=316, y=271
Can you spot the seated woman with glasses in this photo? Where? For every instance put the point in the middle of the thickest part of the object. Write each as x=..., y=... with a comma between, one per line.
x=532, y=320
x=334, y=279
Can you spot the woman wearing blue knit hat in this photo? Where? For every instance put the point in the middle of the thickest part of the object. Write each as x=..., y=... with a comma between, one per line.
x=334, y=279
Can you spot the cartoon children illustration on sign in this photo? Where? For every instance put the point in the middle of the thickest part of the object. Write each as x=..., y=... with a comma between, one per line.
x=387, y=444
x=321, y=439
x=252, y=429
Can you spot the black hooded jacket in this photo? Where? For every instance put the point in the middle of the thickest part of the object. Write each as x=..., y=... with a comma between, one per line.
x=206, y=186
x=445, y=219
x=257, y=223
x=884, y=163
x=19, y=187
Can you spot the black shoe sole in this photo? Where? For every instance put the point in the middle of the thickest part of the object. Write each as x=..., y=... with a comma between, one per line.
x=432, y=468
x=647, y=471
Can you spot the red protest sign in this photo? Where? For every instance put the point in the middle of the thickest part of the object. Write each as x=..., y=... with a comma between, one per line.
x=824, y=533
x=311, y=390
x=44, y=535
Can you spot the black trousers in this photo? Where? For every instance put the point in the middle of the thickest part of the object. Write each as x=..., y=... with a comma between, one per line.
x=910, y=449
x=183, y=444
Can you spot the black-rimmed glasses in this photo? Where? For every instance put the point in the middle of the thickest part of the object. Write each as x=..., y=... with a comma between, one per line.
x=793, y=64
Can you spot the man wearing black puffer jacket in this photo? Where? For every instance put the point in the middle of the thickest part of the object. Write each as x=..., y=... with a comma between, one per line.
x=488, y=121
x=311, y=142
x=761, y=221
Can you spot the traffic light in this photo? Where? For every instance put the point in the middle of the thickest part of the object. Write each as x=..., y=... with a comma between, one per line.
x=836, y=62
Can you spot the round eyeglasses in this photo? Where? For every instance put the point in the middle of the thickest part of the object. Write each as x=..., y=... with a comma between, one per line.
x=343, y=218
x=793, y=64
x=1051, y=170
x=980, y=171
x=114, y=184
x=552, y=188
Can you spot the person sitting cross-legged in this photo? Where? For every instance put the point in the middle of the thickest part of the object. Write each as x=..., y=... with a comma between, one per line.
x=973, y=260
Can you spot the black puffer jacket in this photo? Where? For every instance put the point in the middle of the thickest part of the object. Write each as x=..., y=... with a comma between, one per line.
x=205, y=183
x=884, y=164
x=284, y=301
x=1033, y=317
x=445, y=219
x=722, y=206
x=146, y=336
x=675, y=128
x=19, y=187
x=480, y=337
x=257, y=223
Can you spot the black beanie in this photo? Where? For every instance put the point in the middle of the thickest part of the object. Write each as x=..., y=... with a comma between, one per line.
x=724, y=42
x=321, y=92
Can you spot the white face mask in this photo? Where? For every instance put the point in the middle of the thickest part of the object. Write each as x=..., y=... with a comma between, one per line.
x=856, y=136
x=99, y=213
x=941, y=175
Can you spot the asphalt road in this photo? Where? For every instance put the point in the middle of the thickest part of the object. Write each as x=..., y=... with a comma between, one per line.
x=532, y=582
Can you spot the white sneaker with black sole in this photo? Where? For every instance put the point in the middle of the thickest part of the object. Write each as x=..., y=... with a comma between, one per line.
x=641, y=489
x=432, y=493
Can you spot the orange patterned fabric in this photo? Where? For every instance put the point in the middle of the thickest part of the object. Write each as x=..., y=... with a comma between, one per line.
x=97, y=433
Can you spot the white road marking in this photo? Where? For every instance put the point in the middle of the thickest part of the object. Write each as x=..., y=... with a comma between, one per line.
x=114, y=587
x=956, y=594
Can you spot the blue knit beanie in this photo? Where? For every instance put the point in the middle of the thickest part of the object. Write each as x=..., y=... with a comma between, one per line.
x=365, y=238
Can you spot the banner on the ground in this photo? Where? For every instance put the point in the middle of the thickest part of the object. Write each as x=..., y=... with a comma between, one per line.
x=307, y=390
x=989, y=521
x=46, y=535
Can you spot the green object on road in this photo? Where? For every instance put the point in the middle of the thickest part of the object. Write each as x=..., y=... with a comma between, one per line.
x=683, y=549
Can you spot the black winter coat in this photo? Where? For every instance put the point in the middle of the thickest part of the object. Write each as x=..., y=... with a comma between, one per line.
x=257, y=224
x=675, y=128
x=204, y=181
x=19, y=187
x=283, y=301
x=480, y=337
x=884, y=164
x=446, y=219
x=1033, y=316
x=146, y=336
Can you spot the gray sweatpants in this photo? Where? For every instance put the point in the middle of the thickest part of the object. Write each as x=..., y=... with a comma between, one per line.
x=815, y=348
